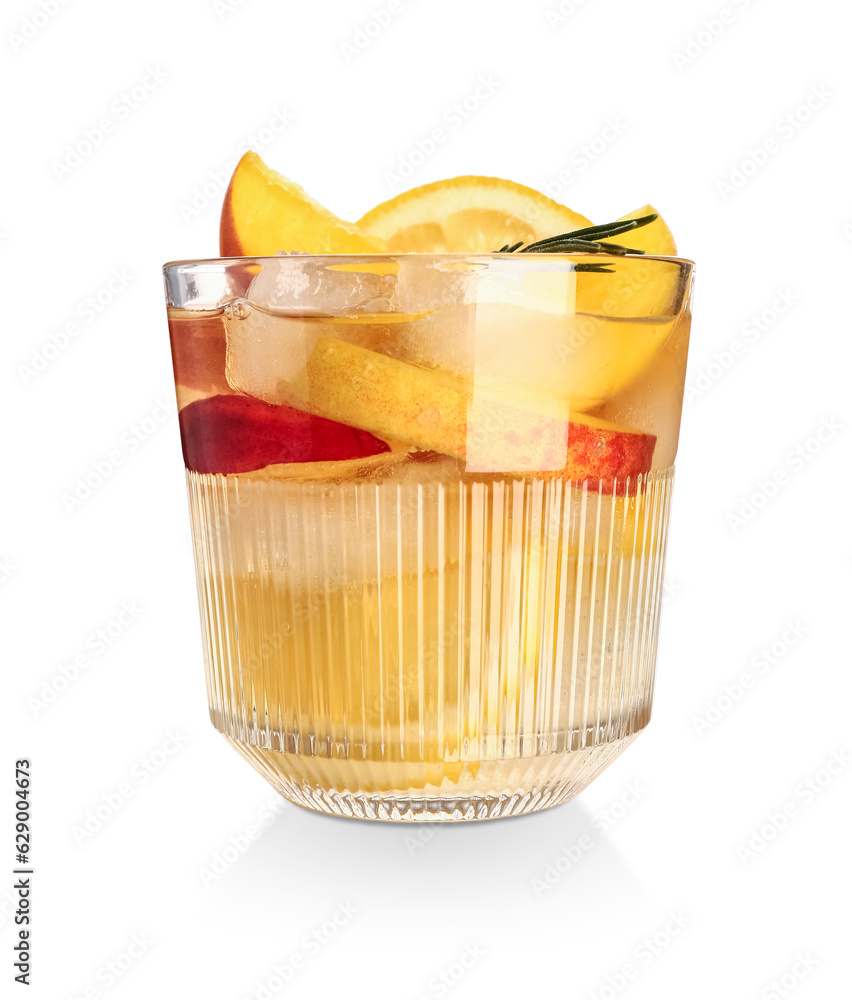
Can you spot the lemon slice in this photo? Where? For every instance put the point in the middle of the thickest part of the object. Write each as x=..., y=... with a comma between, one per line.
x=655, y=238
x=634, y=290
x=468, y=215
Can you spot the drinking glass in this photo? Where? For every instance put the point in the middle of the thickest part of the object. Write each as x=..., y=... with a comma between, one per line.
x=429, y=498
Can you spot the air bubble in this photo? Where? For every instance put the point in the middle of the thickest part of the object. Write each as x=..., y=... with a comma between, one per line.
x=238, y=309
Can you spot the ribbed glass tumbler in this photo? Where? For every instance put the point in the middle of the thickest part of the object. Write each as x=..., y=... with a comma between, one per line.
x=429, y=497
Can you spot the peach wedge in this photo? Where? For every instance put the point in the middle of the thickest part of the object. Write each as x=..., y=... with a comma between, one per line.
x=264, y=213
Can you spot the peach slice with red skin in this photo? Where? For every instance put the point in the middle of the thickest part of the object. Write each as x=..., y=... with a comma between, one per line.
x=229, y=434
x=396, y=400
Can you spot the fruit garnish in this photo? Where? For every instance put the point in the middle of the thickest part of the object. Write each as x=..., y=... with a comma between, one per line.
x=634, y=291
x=476, y=214
x=596, y=341
x=655, y=237
x=228, y=434
x=264, y=213
x=491, y=433
x=467, y=215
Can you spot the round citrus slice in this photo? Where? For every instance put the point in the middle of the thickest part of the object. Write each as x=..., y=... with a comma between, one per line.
x=468, y=215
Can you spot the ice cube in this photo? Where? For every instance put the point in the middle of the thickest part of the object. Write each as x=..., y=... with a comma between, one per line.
x=301, y=285
x=435, y=297
x=288, y=306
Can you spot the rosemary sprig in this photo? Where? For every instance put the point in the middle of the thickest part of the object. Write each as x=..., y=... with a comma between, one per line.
x=594, y=268
x=588, y=240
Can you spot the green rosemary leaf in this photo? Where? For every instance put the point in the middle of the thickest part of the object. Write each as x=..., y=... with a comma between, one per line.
x=584, y=240
x=563, y=244
x=616, y=248
x=613, y=228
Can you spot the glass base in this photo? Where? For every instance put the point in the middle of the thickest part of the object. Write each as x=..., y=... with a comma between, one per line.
x=427, y=652
x=431, y=793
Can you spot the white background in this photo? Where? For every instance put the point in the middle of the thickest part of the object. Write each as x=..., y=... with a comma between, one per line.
x=688, y=827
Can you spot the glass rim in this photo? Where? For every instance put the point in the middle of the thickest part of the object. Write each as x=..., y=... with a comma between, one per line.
x=684, y=262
